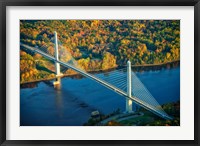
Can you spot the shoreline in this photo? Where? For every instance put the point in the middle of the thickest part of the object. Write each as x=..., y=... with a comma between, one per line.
x=154, y=65
x=138, y=117
x=101, y=71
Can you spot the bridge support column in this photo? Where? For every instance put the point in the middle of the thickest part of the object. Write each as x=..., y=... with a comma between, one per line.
x=128, y=101
x=57, y=65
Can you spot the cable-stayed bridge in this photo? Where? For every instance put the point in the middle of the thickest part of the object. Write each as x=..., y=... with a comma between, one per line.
x=128, y=85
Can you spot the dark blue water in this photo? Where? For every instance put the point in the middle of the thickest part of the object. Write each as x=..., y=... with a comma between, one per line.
x=72, y=104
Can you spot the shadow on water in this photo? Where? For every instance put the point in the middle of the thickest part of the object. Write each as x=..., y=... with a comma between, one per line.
x=58, y=97
x=29, y=85
x=60, y=93
x=153, y=68
x=142, y=68
x=156, y=68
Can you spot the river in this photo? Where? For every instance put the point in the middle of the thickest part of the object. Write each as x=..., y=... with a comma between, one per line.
x=71, y=105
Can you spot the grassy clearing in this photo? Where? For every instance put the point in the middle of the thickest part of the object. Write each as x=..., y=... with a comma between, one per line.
x=139, y=121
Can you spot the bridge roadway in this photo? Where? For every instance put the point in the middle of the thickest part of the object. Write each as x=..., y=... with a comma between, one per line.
x=107, y=85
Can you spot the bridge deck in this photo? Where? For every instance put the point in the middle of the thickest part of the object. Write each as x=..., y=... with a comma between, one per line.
x=107, y=85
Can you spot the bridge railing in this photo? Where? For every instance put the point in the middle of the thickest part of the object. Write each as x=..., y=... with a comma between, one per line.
x=141, y=103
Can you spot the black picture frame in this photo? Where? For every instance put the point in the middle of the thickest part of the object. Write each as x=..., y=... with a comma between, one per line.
x=5, y=3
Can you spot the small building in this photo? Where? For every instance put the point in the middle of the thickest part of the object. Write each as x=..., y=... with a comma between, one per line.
x=95, y=114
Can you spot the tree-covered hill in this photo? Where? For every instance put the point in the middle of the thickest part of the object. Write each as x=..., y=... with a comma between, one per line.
x=99, y=44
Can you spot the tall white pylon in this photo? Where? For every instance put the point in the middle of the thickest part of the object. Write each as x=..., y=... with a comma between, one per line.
x=57, y=65
x=128, y=101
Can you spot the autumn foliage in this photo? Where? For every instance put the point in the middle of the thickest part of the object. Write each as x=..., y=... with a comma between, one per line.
x=99, y=44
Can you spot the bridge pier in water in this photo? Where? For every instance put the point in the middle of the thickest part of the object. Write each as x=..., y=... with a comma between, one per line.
x=57, y=65
x=139, y=99
x=129, y=86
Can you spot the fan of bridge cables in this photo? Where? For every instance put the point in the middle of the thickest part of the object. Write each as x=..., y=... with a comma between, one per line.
x=48, y=49
x=140, y=92
x=118, y=78
x=64, y=54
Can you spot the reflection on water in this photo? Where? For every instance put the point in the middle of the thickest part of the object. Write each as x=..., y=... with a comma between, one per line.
x=58, y=97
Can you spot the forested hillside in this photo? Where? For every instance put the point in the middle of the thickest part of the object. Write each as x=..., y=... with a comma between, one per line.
x=99, y=44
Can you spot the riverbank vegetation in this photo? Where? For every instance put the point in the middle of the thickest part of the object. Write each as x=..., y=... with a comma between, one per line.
x=141, y=117
x=98, y=44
